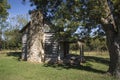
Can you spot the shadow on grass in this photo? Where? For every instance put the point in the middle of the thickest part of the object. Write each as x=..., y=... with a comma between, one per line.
x=79, y=67
x=15, y=54
x=97, y=59
x=84, y=66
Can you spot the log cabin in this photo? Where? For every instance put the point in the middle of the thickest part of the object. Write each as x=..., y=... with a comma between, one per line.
x=39, y=43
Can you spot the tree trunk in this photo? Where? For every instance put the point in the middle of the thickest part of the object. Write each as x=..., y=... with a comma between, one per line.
x=113, y=38
x=113, y=44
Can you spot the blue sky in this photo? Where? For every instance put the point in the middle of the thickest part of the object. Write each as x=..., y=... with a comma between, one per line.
x=18, y=8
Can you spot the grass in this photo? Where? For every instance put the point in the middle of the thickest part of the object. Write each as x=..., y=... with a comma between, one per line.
x=13, y=69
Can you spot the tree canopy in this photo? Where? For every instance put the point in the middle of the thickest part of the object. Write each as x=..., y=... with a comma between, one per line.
x=68, y=16
x=3, y=9
x=3, y=14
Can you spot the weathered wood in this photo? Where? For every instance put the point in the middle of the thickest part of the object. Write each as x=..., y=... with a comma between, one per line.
x=24, y=45
x=81, y=48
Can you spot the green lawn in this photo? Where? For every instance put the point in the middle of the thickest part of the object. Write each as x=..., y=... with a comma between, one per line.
x=13, y=69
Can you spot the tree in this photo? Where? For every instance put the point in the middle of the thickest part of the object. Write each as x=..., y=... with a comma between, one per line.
x=3, y=9
x=109, y=20
x=90, y=13
x=3, y=15
x=3, y=12
x=111, y=26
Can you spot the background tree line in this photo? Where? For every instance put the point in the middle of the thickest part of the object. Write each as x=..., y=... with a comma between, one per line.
x=92, y=44
x=12, y=39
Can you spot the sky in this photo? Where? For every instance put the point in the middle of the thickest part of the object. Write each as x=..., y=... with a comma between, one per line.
x=18, y=8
